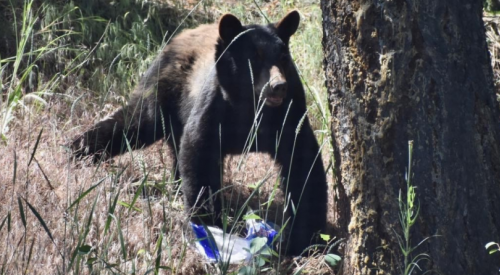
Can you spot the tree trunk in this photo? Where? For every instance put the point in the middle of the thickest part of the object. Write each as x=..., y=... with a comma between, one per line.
x=413, y=70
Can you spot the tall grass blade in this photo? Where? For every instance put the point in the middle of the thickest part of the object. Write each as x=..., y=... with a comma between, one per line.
x=36, y=146
x=138, y=192
x=85, y=233
x=21, y=211
x=3, y=222
x=4, y=266
x=85, y=193
x=9, y=218
x=158, y=253
x=111, y=213
x=123, y=247
x=247, y=201
x=122, y=241
x=44, y=175
x=30, y=254
x=15, y=169
x=261, y=12
x=40, y=219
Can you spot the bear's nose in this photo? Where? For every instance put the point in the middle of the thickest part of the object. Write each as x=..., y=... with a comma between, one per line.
x=279, y=87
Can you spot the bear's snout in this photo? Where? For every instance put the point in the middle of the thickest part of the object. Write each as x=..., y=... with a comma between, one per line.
x=278, y=87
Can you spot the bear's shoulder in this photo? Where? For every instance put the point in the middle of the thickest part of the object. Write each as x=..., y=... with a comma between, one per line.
x=201, y=39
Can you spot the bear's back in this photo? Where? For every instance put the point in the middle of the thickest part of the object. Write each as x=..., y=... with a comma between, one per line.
x=190, y=57
x=179, y=72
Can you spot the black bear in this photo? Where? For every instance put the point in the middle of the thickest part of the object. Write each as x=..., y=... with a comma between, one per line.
x=221, y=89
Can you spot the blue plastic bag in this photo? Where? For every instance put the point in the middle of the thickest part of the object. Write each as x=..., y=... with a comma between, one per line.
x=218, y=246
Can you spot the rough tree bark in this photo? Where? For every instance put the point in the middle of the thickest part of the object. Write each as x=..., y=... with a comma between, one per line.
x=413, y=70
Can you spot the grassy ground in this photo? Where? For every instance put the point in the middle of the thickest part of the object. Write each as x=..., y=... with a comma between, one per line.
x=71, y=65
x=67, y=69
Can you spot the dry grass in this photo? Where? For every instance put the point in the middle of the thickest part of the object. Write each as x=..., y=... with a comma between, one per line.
x=47, y=179
x=52, y=182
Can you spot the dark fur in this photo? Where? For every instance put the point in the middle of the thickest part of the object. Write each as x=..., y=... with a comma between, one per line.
x=208, y=109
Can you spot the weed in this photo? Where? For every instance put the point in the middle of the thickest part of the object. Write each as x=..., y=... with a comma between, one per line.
x=409, y=209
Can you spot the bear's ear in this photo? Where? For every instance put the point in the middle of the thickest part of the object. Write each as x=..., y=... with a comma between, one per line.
x=229, y=27
x=288, y=25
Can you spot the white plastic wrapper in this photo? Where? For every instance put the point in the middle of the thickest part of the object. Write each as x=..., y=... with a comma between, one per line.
x=224, y=247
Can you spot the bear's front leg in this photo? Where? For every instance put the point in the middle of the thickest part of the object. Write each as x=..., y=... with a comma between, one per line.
x=305, y=181
x=200, y=165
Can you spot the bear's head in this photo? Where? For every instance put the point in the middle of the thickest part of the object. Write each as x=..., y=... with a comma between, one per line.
x=254, y=60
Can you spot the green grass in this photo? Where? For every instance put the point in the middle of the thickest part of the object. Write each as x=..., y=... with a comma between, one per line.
x=20, y=70
x=409, y=210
